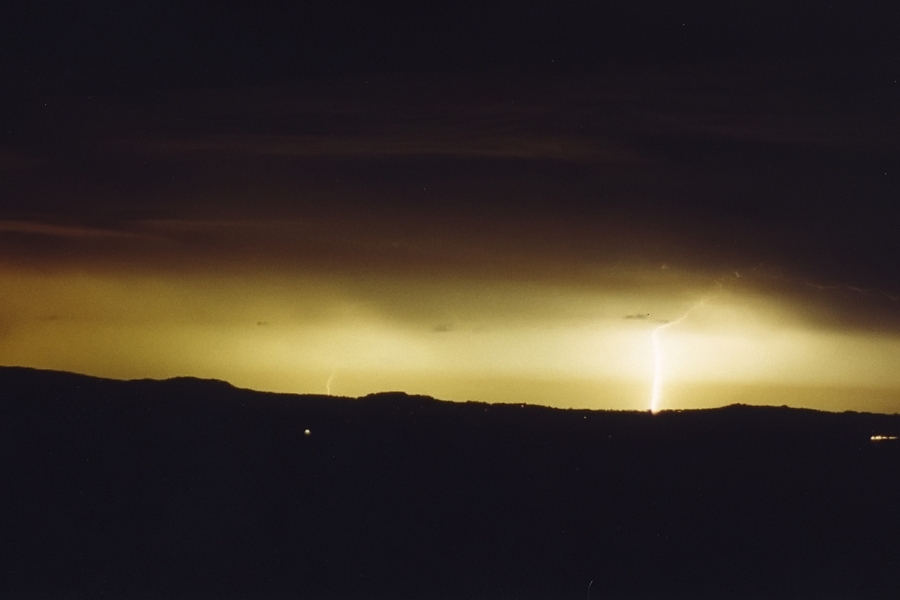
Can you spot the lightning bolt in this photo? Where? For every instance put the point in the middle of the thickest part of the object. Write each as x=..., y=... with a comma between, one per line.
x=656, y=335
x=328, y=382
x=871, y=292
x=777, y=274
x=656, y=395
x=658, y=355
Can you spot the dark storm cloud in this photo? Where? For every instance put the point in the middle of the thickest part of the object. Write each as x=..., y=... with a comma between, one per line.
x=707, y=166
x=436, y=143
x=10, y=161
x=62, y=231
x=828, y=302
x=396, y=173
x=186, y=43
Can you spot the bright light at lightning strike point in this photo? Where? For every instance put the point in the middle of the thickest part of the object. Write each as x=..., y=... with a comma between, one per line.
x=657, y=371
x=656, y=394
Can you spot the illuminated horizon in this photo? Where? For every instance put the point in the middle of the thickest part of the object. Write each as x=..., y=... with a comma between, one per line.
x=552, y=343
x=605, y=241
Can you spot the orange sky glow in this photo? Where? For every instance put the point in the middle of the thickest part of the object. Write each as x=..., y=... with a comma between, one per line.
x=502, y=241
x=583, y=338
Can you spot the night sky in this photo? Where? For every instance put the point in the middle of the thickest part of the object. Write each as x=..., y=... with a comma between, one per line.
x=564, y=203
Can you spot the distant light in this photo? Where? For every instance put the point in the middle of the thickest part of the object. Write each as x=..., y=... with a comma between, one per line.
x=306, y=432
x=881, y=438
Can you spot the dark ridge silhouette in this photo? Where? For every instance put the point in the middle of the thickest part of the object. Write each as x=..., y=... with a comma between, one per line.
x=195, y=489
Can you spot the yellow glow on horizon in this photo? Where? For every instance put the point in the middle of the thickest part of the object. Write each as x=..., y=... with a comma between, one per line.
x=659, y=357
x=545, y=344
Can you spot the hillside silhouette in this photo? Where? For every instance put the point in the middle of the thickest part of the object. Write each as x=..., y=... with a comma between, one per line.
x=188, y=488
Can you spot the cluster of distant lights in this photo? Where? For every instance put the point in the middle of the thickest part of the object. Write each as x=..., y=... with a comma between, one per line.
x=882, y=438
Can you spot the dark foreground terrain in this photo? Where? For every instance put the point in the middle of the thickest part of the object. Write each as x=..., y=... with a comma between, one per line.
x=194, y=489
